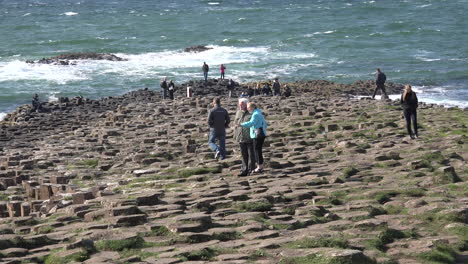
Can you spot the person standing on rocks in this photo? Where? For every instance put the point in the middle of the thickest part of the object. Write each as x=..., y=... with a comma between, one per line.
x=205, y=70
x=409, y=102
x=258, y=89
x=258, y=126
x=276, y=87
x=266, y=90
x=380, y=79
x=171, y=90
x=164, y=88
x=218, y=120
x=287, y=91
x=36, y=104
x=242, y=135
x=230, y=87
x=222, y=68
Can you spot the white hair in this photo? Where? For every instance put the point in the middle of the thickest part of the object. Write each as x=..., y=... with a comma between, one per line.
x=243, y=100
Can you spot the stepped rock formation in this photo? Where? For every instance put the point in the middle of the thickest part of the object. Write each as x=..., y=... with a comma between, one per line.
x=130, y=179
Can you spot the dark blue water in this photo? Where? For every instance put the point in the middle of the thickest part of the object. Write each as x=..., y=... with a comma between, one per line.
x=420, y=42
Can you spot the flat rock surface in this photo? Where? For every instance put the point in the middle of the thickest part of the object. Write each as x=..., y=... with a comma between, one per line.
x=131, y=179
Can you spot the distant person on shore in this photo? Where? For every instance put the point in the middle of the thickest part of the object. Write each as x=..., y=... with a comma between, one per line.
x=205, y=70
x=171, y=88
x=164, y=88
x=258, y=126
x=222, y=68
x=250, y=91
x=36, y=104
x=258, y=89
x=276, y=87
x=409, y=102
x=287, y=91
x=266, y=90
x=242, y=136
x=218, y=120
x=230, y=87
x=380, y=79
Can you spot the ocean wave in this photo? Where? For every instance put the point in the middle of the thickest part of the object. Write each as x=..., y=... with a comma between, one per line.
x=146, y=65
x=319, y=33
x=421, y=58
x=2, y=116
x=423, y=6
x=70, y=14
x=448, y=95
x=444, y=102
x=18, y=70
x=180, y=59
x=232, y=41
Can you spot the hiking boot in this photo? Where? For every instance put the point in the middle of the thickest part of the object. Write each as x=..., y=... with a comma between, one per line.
x=243, y=174
x=217, y=154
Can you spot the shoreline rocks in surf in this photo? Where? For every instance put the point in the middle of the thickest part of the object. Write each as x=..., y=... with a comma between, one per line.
x=197, y=48
x=65, y=59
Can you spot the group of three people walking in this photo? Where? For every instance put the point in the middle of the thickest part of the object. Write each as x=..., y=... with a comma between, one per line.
x=249, y=131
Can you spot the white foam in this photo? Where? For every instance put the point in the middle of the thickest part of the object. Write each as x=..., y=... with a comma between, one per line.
x=319, y=33
x=19, y=70
x=2, y=116
x=70, y=13
x=53, y=97
x=213, y=3
x=27, y=14
x=426, y=59
x=443, y=102
x=179, y=59
x=423, y=6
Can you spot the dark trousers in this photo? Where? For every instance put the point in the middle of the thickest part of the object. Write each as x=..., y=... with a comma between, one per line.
x=411, y=116
x=258, y=145
x=171, y=94
x=248, y=155
x=382, y=88
x=222, y=75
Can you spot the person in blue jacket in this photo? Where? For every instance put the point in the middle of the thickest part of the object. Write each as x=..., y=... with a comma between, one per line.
x=258, y=128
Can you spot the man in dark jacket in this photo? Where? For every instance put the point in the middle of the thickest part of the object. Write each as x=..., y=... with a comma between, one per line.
x=205, y=70
x=164, y=88
x=276, y=87
x=242, y=135
x=380, y=79
x=36, y=104
x=218, y=120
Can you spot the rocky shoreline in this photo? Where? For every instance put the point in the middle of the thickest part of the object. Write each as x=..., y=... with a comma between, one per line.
x=130, y=179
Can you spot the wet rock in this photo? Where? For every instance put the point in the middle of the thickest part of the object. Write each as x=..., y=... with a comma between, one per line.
x=65, y=59
x=198, y=48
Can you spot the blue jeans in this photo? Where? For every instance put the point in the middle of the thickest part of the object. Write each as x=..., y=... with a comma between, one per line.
x=205, y=75
x=221, y=136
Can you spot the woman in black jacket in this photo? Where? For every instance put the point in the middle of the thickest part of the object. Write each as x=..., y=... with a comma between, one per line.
x=409, y=102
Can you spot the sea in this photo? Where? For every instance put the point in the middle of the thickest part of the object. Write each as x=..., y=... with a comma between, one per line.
x=419, y=42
